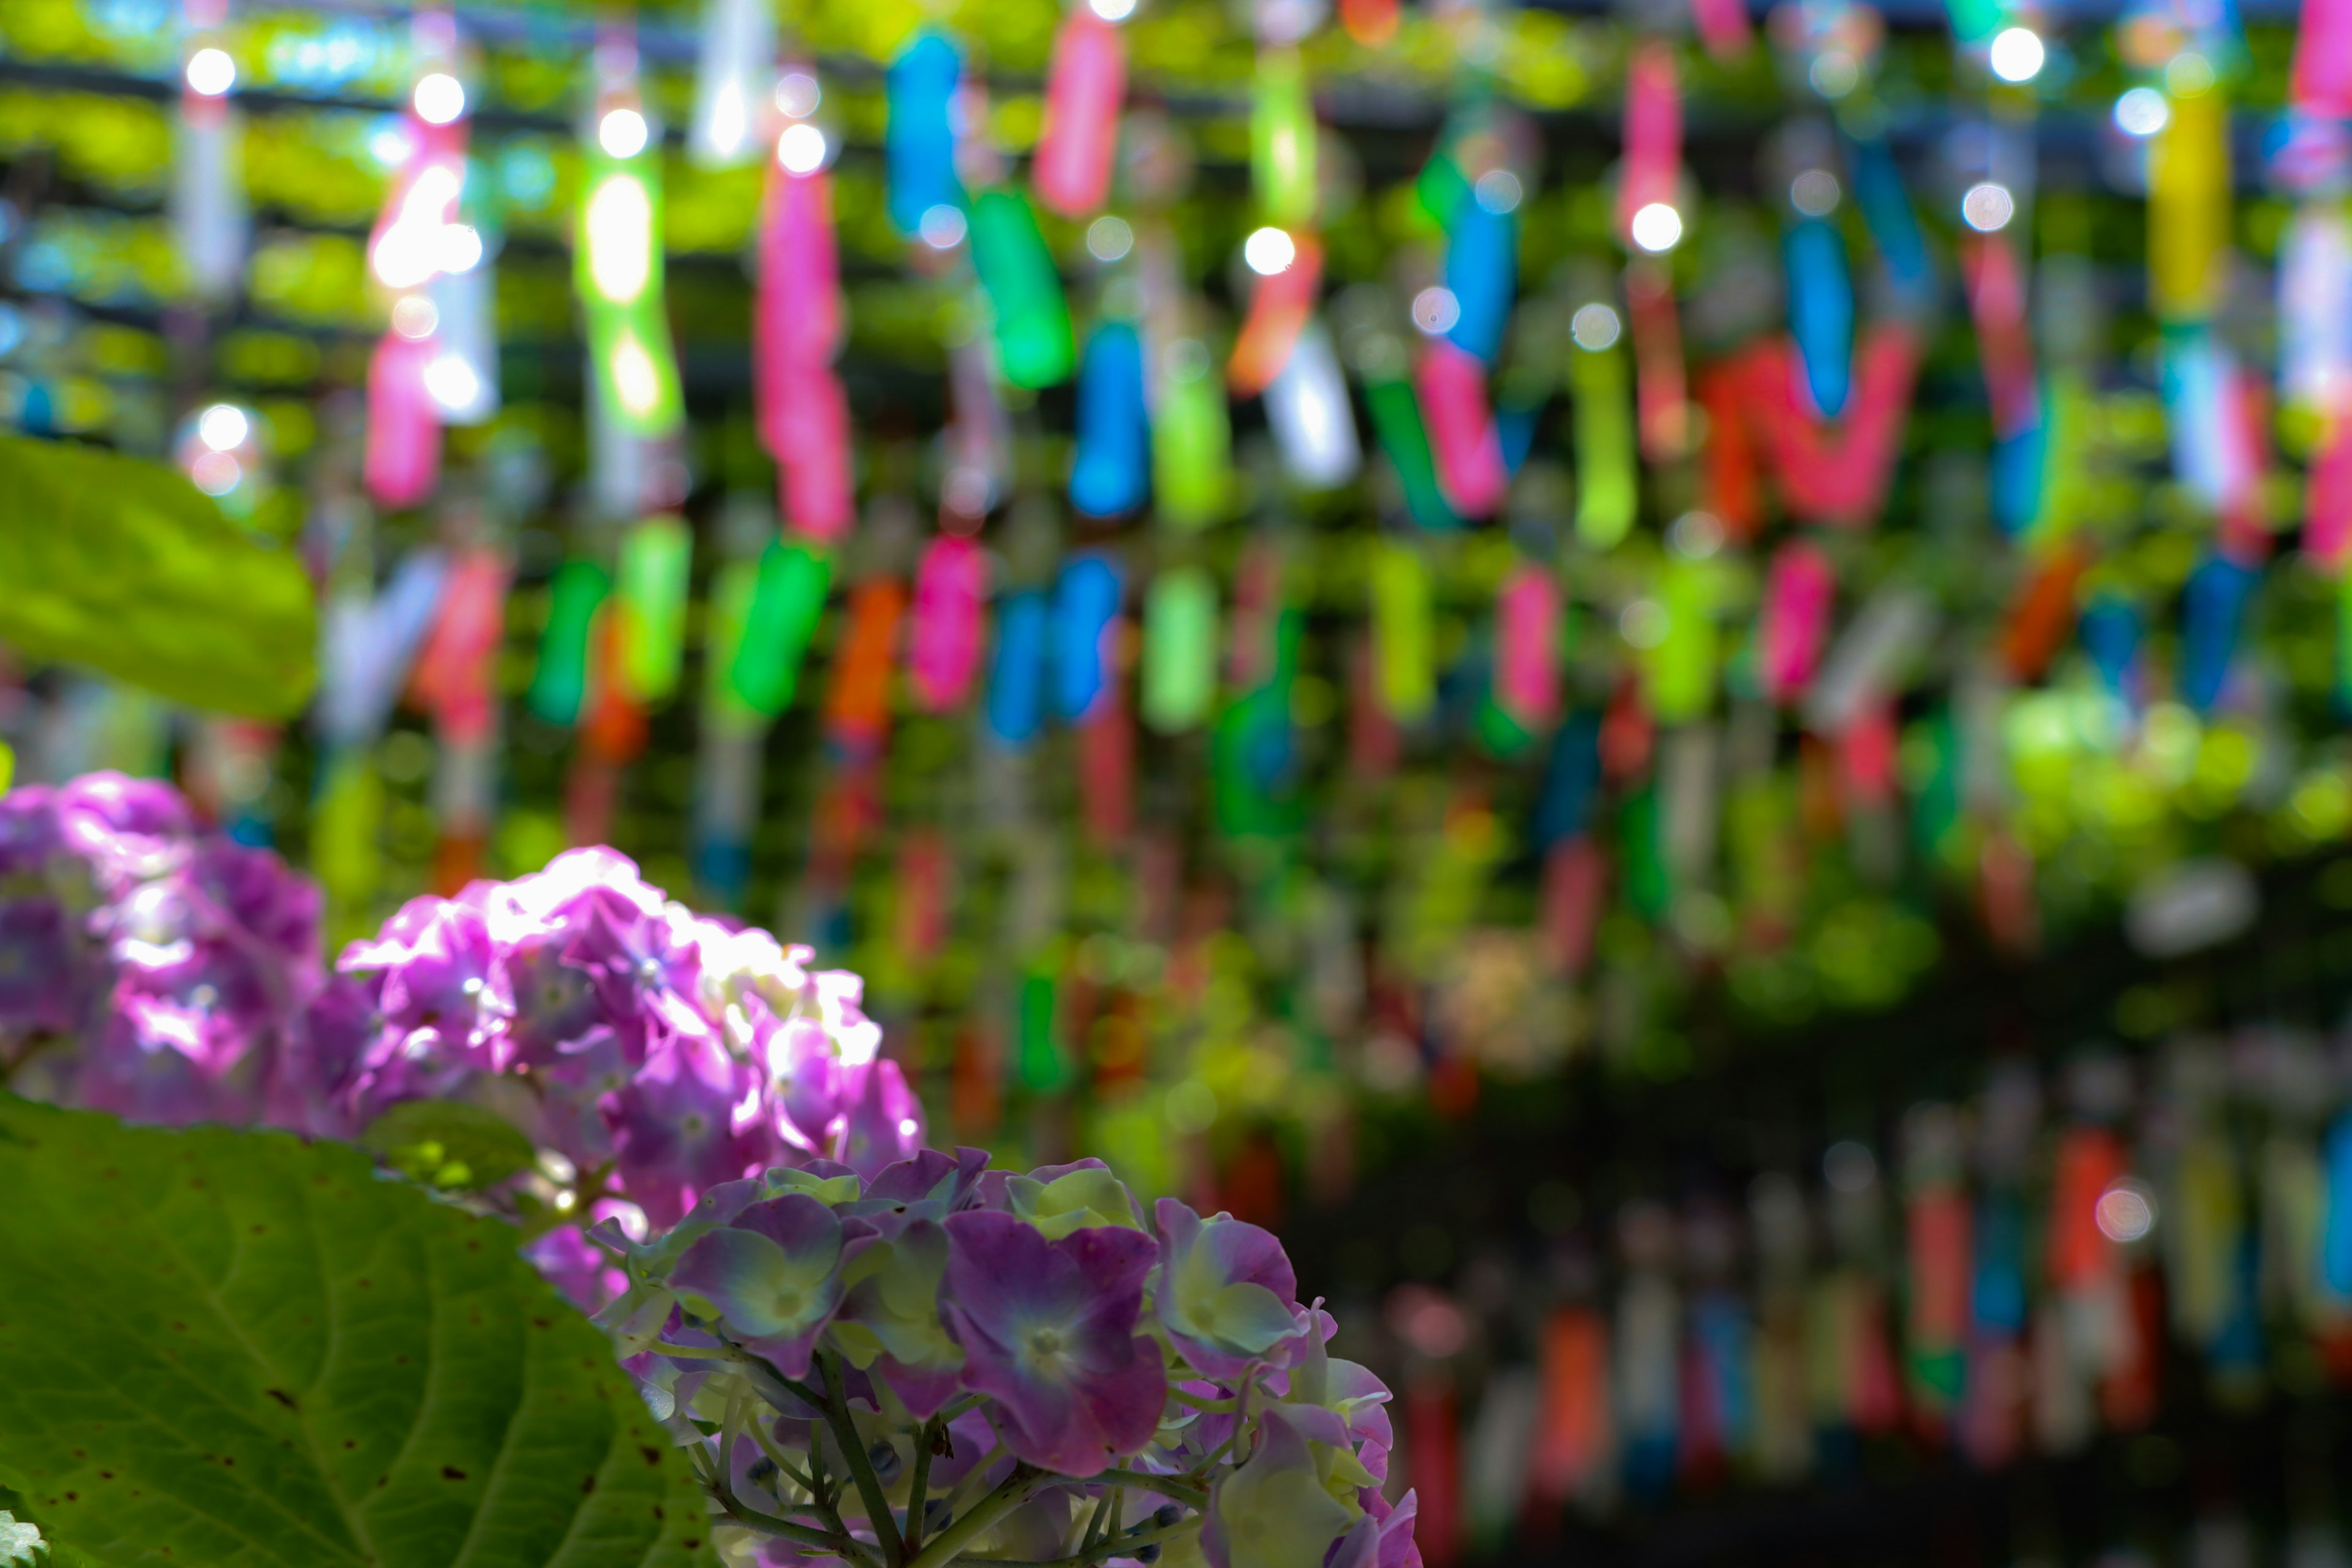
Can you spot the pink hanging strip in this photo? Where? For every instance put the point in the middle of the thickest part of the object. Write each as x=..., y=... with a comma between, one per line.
x=804, y=409
x=403, y=462
x=1833, y=471
x=1452, y=386
x=1722, y=27
x=1527, y=647
x=456, y=670
x=2327, y=515
x=1651, y=171
x=2323, y=60
x=943, y=644
x=1072, y=169
x=1798, y=597
x=1996, y=283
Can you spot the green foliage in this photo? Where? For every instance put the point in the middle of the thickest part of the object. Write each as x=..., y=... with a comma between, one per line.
x=448, y=1142
x=123, y=564
x=221, y=1347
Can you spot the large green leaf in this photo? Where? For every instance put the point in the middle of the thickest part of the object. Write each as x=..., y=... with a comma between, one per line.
x=124, y=565
x=234, y=1348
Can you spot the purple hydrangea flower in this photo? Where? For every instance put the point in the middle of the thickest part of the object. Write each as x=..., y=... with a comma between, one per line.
x=1048, y=1329
x=1227, y=1294
x=1276, y=1510
x=443, y=989
x=773, y=1274
x=690, y=1119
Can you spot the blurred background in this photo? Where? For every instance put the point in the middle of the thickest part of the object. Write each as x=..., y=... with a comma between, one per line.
x=1667, y=678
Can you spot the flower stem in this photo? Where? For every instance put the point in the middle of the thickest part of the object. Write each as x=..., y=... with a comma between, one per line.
x=1015, y=1489
x=1166, y=1486
x=861, y=1467
x=918, y=1485
x=1134, y=1541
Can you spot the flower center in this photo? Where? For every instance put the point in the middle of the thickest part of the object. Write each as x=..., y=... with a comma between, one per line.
x=789, y=1303
x=1045, y=1342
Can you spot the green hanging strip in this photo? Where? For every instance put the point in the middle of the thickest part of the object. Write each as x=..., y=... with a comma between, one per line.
x=731, y=596
x=1041, y=1060
x=1400, y=632
x=1282, y=140
x=1179, y=649
x=649, y=589
x=1648, y=886
x=1682, y=666
x=559, y=683
x=1396, y=422
x=786, y=604
x=1191, y=441
x=1607, y=490
x=1034, y=343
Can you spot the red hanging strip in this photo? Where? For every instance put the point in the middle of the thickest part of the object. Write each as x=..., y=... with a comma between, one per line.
x=1662, y=391
x=1574, y=1435
x=1106, y=743
x=858, y=702
x=1278, y=312
x=1829, y=470
x=2090, y=1161
x=1735, y=478
x=2043, y=617
x=1575, y=877
x=456, y=671
x=926, y=867
x=1939, y=1236
x=2245, y=411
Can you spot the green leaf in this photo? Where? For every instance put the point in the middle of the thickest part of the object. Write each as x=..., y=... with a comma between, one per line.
x=448, y=1142
x=221, y=1347
x=122, y=564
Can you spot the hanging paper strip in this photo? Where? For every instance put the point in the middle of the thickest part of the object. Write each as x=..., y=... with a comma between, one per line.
x=454, y=675
x=2043, y=615
x=1723, y=27
x=1826, y=471
x=1035, y=347
x=1279, y=310
x=1314, y=423
x=2188, y=208
x=1574, y=1436
x=733, y=65
x=943, y=642
x=1662, y=391
x=1798, y=592
x=649, y=590
x=786, y=604
x=1083, y=85
x=1192, y=440
x=1482, y=265
x=1527, y=646
x=1397, y=422
x=2322, y=85
x=1105, y=748
x=1464, y=442
x=1111, y=471
x=618, y=266
x=1016, y=681
x=1894, y=228
x=1682, y=666
x=1086, y=614
x=1996, y=285
x=402, y=464
x=1606, y=486
x=1400, y=632
x=1650, y=172
x=2315, y=293
x=2089, y=1162
x=2327, y=497
x=1820, y=311
x=1282, y=140
x=1938, y=1249
x=208, y=201
x=1180, y=648
x=559, y=684
x=858, y=702
x=920, y=142
x=2213, y=613
x=796, y=311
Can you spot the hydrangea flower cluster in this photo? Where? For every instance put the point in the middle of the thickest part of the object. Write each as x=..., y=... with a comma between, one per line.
x=167, y=974
x=935, y=1362
x=154, y=970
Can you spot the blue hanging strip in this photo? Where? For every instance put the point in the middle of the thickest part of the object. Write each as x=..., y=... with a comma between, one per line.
x=1894, y=225
x=1482, y=265
x=1996, y=1300
x=2019, y=463
x=2109, y=628
x=2213, y=611
x=2335, y=1234
x=1016, y=674
x=1085, y=602
x=1571, y=780
x=1821, y=310
x=1111, y=473
x=919, y=141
